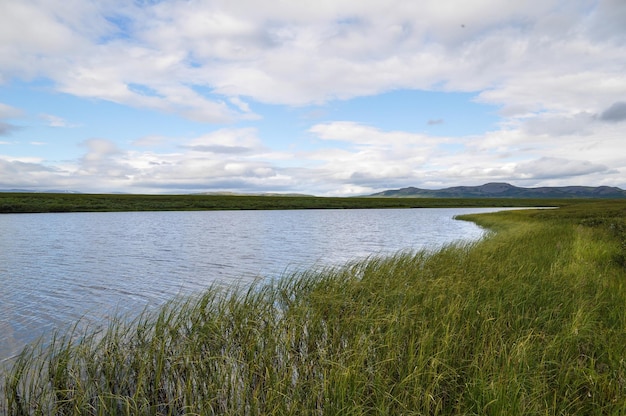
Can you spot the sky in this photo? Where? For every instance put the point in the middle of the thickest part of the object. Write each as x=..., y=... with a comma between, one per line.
x=324, y=97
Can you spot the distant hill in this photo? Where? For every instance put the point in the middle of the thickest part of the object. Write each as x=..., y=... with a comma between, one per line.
x=505, y=190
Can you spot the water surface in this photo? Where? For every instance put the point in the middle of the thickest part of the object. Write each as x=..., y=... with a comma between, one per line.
x=58, y=268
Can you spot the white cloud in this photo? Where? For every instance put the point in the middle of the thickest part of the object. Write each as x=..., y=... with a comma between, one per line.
x=372, y=158
x=312, y=52
x=608, y=21
x=46, y=34
x=56, y=121
x=141, y=77
x=6, y=111
x=6, y=128
x=530, y=56
x=550, y=168
x=559, y=125
x=40, y=37
x=25, y=172
x=360, y=134
x=225, y=158
x=367, y=160
x=554, y=68
x=376, y=159
x=227, y=141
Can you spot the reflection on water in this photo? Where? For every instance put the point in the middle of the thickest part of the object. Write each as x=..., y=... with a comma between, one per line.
x=58, y=268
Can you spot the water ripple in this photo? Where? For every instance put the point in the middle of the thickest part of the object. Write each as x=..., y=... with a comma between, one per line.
x=58, y=268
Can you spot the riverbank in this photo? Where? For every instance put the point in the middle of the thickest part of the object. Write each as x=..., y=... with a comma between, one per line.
x=528, y=321
x=49, y=202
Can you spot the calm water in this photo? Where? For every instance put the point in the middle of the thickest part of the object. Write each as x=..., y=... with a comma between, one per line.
x=57, y=268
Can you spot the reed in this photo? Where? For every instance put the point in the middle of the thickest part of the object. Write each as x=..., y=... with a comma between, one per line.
x=527, y=321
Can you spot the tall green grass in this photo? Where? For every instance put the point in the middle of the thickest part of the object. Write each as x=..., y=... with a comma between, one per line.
x=528, y=321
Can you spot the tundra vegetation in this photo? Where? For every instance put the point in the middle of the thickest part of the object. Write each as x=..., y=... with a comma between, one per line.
x=51, y=202
x=530, y=320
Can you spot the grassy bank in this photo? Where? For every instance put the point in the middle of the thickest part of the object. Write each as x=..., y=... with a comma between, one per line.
x=529, y=321
x=49, y=202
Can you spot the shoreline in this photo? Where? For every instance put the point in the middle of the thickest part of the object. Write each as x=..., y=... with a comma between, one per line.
x=43, y=203
x=527, y=321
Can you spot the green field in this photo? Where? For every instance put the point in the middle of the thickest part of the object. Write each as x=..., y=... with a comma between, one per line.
x=529, y=321
x=45, y=202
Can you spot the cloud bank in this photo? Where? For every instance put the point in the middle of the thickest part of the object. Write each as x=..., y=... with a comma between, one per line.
x=554, y=69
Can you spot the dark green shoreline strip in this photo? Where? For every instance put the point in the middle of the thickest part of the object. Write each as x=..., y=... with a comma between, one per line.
x=45, y=202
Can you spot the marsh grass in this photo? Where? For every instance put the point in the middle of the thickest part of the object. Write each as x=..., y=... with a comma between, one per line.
x=528, y=321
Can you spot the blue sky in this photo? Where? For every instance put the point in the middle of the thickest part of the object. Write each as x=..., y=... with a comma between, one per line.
x=338, y=97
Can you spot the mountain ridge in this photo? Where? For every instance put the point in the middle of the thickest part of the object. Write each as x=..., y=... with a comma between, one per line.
x=506, y=190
